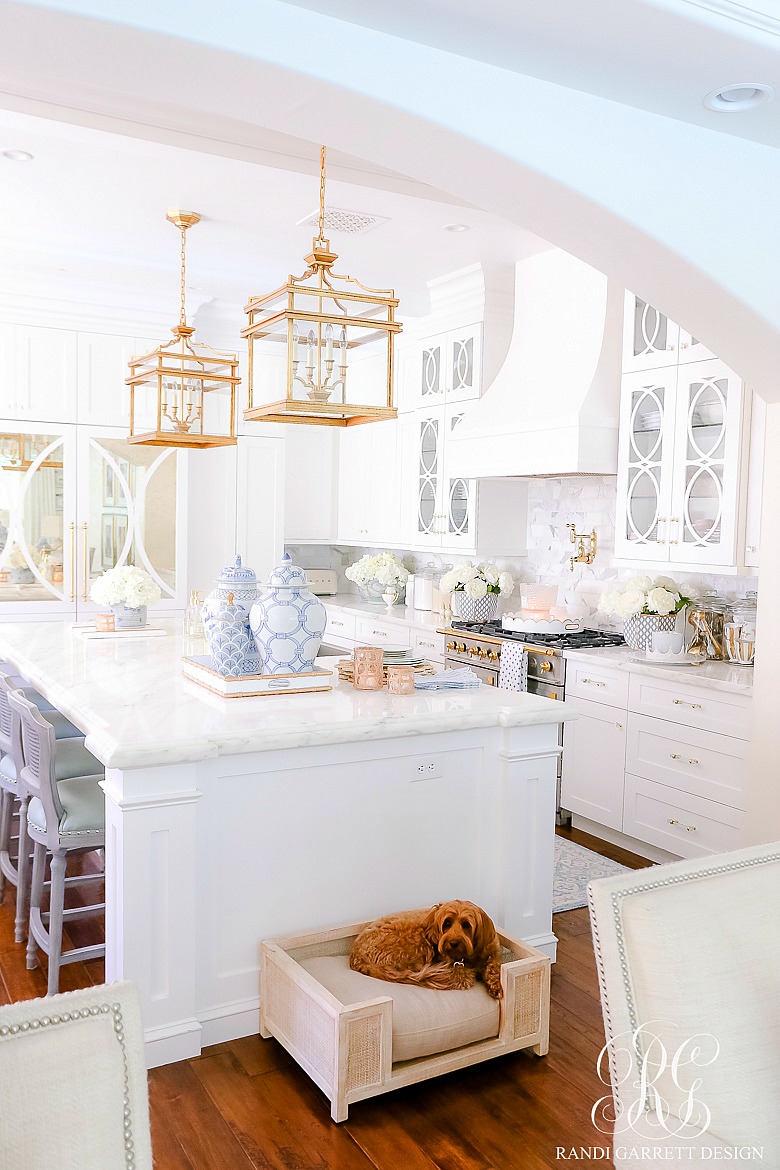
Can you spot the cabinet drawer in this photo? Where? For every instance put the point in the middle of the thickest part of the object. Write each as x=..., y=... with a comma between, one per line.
x=600, y=684
x=371, y=632
x=678, y=822
x=339, y=625
x=431, y=645
x=694, y=706
x=685, y=758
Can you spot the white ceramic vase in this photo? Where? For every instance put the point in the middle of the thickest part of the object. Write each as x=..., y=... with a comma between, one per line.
x=127, y=617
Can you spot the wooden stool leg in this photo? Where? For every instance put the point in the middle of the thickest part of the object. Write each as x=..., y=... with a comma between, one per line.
x=23, y=869
x=36, y=900
x=56, y=906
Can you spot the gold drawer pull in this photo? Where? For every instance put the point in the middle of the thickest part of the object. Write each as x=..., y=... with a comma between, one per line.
x=688, y=828
x=682, y=703
x=675, y=756
x=333, y=622
x=594, y=682
x=693, y=761
x=380, y=633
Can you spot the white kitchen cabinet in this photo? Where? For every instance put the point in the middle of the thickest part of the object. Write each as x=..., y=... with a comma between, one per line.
x=103, y=397
x=681, y=445
x=369, y=483
x=651, y=340
x=38, y=374
x=446, y=367
x=37, y=520
x=311, y=483
x=131, y=508
x=592, y=779
x=755, y=484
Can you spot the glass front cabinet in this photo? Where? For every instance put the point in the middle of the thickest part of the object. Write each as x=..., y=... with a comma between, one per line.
x=681, y=445
x=444, y=504
x=75, y=501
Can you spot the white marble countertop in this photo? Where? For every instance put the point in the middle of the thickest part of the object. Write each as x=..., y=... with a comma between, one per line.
x=129, y=697
x=402, y=614
x=719, y=676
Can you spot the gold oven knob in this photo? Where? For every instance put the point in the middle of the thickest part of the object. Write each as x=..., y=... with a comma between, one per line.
x=546, y=666
x=482, y=653
x=461, y=647
x=452, y=646
x=473, y=651
x=493, y=655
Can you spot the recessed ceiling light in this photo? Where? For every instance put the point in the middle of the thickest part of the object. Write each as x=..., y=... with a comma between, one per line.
x=16, y=155
x=744, y=95
x=456, y=227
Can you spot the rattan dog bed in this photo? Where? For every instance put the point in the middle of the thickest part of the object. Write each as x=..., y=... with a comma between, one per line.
x=347, y=1047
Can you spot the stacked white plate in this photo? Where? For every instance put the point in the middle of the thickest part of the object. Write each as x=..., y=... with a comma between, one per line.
x=401, y=656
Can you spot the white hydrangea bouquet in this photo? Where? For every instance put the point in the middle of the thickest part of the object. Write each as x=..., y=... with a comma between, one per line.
x=645, y=605
x=126, y=588
x=374, y=574
x=475, y=589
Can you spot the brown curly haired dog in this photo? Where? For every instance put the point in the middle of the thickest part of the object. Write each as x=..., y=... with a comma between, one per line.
x=448, y=947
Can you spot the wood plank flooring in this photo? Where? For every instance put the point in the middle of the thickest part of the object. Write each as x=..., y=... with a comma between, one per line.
x=246, y=1105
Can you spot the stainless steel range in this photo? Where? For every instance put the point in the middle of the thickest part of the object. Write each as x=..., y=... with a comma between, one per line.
x=478, y=645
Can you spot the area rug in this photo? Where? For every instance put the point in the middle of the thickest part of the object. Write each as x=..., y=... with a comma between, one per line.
x=575, y=866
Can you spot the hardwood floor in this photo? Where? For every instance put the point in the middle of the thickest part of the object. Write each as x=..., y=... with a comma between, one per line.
x=246, y=1105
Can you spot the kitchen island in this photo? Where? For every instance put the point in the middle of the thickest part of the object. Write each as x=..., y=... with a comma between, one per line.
x=233, y=820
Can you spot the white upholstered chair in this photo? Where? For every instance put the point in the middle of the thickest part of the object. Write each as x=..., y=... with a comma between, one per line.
x=688, y=956
x=73, y=1082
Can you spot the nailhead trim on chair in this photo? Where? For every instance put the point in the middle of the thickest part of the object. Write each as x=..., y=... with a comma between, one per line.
x=119, y=1031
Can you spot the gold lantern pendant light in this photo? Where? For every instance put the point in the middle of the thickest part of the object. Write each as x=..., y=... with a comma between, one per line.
x=174, y=399
x=324, y=342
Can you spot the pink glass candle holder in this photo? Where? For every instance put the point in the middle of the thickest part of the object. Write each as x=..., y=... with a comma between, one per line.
x=400, y=680
x=368, y=668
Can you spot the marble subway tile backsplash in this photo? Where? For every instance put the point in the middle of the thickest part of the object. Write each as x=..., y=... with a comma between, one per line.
x=588, y=502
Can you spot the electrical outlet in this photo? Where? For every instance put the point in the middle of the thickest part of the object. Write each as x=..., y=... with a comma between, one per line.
x=426, y=769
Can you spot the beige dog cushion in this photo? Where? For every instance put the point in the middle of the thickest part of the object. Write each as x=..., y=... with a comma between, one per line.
x=425, y=1021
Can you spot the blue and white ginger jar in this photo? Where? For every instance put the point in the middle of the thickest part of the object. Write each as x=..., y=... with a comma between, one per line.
x=238, y=582
x=230, y=640
x=288, y=622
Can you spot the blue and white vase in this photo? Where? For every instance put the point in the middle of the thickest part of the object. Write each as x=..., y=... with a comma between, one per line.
x=231, y=644
x=238, y=582
x=288, y=622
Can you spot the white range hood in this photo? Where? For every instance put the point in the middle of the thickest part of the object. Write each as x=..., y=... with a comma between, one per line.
x=553, y=407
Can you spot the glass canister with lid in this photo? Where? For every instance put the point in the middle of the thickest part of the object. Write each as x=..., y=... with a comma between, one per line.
x=740, y=631
x=707, y=617
x=423, y=588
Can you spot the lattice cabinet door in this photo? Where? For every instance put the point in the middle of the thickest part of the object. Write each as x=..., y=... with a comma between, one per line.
x=429, y=440
x=645, y=464
x=708, y=447
x=463, y=363
x=458, y=495
x=650, y=340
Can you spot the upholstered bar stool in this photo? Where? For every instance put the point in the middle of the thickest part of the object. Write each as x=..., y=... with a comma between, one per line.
x=65, y=815
x=12, y=800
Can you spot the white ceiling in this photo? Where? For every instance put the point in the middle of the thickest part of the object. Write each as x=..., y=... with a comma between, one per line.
x=659, y=55
x=91, y=206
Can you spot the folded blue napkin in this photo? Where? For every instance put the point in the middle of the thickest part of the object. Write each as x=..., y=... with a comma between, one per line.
x=462, y=679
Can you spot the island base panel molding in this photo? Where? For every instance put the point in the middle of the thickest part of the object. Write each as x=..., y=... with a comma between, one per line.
x=205, y=860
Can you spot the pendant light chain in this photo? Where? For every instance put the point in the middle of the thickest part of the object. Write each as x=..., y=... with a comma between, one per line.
x=183, y=311
x=321, y=226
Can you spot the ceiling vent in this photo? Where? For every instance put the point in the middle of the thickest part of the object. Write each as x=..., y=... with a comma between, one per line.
x=350, y=223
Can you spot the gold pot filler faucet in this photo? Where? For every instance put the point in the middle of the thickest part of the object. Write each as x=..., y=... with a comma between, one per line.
x=585, y=556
